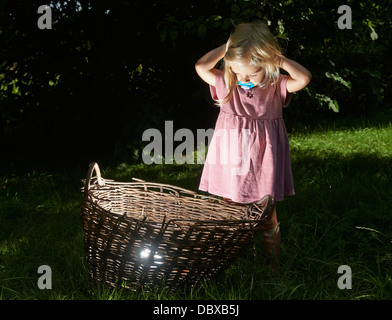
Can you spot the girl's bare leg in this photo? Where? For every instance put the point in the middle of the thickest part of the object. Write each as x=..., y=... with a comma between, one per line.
x=272, y=238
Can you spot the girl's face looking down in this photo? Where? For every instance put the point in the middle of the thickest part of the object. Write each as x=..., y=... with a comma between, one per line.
x=247, y=73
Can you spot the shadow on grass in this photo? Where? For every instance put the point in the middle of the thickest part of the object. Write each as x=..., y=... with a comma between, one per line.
x=341, y=215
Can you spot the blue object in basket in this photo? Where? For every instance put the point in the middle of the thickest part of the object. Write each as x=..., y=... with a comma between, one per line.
x=246, y=85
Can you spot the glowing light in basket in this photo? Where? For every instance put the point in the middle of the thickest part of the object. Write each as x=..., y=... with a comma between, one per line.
x=145, y=254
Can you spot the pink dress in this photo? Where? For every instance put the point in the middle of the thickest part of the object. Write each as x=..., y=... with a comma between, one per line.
x=248, y=156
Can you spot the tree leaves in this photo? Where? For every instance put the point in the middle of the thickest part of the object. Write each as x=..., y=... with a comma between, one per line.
x=84, y=63
x=336, y=77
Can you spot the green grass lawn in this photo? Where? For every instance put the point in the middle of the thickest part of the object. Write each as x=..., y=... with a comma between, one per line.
x=341, y=215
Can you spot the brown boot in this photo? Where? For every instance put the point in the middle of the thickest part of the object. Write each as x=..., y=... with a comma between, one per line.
x=272, y=246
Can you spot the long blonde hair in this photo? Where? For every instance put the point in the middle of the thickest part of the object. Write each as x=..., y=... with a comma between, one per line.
x=251, y=43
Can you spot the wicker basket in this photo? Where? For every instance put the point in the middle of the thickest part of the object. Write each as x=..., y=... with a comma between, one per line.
x=142, y=233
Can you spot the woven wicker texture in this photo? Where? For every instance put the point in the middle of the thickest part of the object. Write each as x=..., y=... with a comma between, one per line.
x=143, y=233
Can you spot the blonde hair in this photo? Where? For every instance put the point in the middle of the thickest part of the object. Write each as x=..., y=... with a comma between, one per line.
x=253, y=44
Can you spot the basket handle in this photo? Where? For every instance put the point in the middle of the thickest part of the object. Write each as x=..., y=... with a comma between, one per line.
x=93, y=167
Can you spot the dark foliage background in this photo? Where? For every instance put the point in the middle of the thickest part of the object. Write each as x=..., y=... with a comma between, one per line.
x=108, y=70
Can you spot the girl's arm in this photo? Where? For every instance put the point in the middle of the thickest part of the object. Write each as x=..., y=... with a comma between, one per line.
x=299, y=75
x=205, y=65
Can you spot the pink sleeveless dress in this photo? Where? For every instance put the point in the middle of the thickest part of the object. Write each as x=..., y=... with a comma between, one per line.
x=248, y=156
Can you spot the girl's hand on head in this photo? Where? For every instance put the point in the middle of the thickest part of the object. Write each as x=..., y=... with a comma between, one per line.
x=299, y=75
x=205, y=66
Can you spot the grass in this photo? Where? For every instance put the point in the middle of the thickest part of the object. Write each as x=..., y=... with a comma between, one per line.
x=340, y=215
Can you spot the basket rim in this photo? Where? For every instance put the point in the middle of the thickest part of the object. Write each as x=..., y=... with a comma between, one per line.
x=198, y=222
x=98, y=183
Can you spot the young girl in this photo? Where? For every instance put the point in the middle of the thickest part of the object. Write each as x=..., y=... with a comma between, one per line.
x=251, y=93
